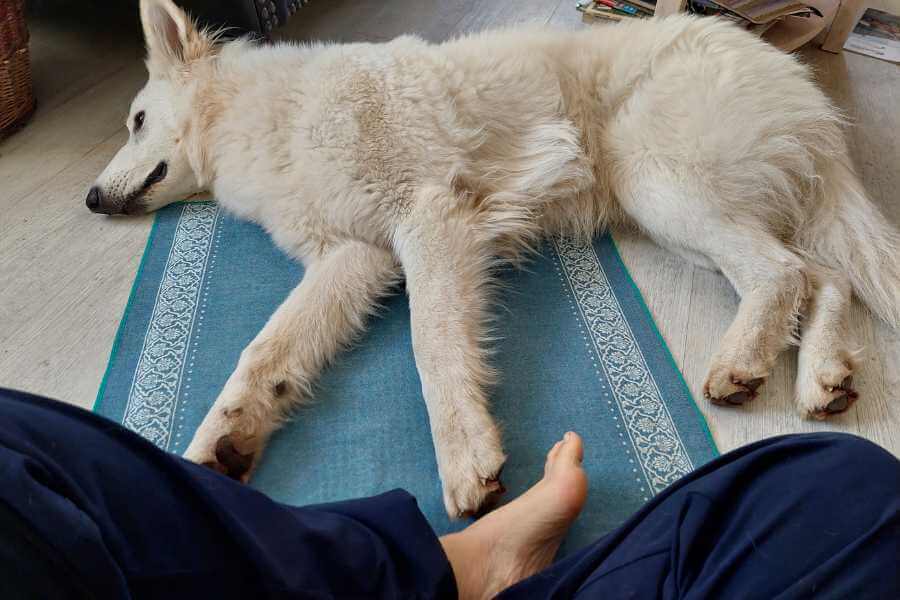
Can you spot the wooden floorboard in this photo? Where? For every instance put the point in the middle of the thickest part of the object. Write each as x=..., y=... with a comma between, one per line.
x=69, y=55
x=63, y=135
x=66, y=273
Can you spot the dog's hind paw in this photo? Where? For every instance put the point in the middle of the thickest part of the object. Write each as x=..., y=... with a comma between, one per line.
x=826, y=390
x=734, y=390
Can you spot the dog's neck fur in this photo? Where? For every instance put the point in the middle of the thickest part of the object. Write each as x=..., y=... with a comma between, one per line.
x=213, y=90
x=216, y=91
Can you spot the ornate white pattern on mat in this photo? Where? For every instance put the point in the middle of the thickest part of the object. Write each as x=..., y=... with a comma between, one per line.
x=157, y=377
x=656, y=442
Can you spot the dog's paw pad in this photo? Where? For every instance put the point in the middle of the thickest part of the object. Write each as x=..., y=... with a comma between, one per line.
x=745, y=391
x=839, y=399
x=229, y=461
x=735, y=399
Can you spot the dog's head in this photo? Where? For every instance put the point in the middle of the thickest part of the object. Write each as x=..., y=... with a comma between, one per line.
x=156, y=167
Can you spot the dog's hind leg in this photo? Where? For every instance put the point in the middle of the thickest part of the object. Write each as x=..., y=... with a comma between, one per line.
x=275, y=371
x=447, y=271
x=827, y=356
x=772, y=282
x=770, y=279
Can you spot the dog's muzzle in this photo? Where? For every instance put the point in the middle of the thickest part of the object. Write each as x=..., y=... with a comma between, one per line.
x=98, y=202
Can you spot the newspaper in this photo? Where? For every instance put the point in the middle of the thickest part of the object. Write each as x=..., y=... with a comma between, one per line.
x=878, y=35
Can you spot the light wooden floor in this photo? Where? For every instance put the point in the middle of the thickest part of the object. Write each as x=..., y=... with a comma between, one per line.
x=65, y=273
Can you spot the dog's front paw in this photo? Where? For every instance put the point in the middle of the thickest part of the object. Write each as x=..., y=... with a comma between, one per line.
x=231, y=454
x=231, y=437
x=471, y=478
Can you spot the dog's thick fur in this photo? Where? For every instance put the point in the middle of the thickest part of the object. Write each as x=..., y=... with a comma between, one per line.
x=372, y=162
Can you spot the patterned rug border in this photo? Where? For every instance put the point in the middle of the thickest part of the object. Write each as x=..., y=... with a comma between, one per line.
x=637, y=402
x=164, y=359
x=665, y=346
x=126, y=312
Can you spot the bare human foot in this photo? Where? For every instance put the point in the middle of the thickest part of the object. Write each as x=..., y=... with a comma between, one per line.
x=520, y=538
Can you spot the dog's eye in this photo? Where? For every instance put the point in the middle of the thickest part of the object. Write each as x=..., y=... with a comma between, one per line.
x=138, y=121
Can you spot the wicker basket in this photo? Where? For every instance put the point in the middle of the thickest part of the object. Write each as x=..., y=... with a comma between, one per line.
x=16, y=95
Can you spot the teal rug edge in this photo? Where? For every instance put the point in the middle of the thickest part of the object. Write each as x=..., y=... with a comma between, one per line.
x=126, y=313
x=687, y=390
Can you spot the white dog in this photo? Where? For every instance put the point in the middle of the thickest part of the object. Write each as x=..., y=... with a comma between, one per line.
x=372, y=162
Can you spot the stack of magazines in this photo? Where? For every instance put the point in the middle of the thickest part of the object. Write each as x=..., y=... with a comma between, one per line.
x=757, y=15
x=615, y=10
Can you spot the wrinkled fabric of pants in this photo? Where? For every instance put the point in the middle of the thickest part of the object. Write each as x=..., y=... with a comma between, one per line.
x=89, y=509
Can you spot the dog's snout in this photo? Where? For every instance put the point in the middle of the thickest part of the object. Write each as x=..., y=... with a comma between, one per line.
x=93, y=199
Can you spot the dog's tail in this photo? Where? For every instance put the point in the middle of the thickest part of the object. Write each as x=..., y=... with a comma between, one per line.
x=853, y=236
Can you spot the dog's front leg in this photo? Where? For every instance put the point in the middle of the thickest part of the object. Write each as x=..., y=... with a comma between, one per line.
x=276, y=370
x=447, y=278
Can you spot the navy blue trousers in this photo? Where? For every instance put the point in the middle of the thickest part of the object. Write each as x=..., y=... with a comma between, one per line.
x=88, y=509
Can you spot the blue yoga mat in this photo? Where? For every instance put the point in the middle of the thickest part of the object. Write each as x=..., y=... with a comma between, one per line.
x=579, y=350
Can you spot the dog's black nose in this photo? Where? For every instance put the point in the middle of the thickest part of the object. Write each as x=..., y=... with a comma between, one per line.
x=93, y=199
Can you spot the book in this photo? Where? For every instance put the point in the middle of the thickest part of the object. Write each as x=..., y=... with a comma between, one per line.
x=877, y=34
x=621, y=7
x=760, y=12
x=640, y=6
x=647, y=5
x=595, y=14
x=608, y=10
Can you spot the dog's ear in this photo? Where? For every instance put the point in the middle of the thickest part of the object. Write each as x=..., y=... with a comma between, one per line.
x=171, y=36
